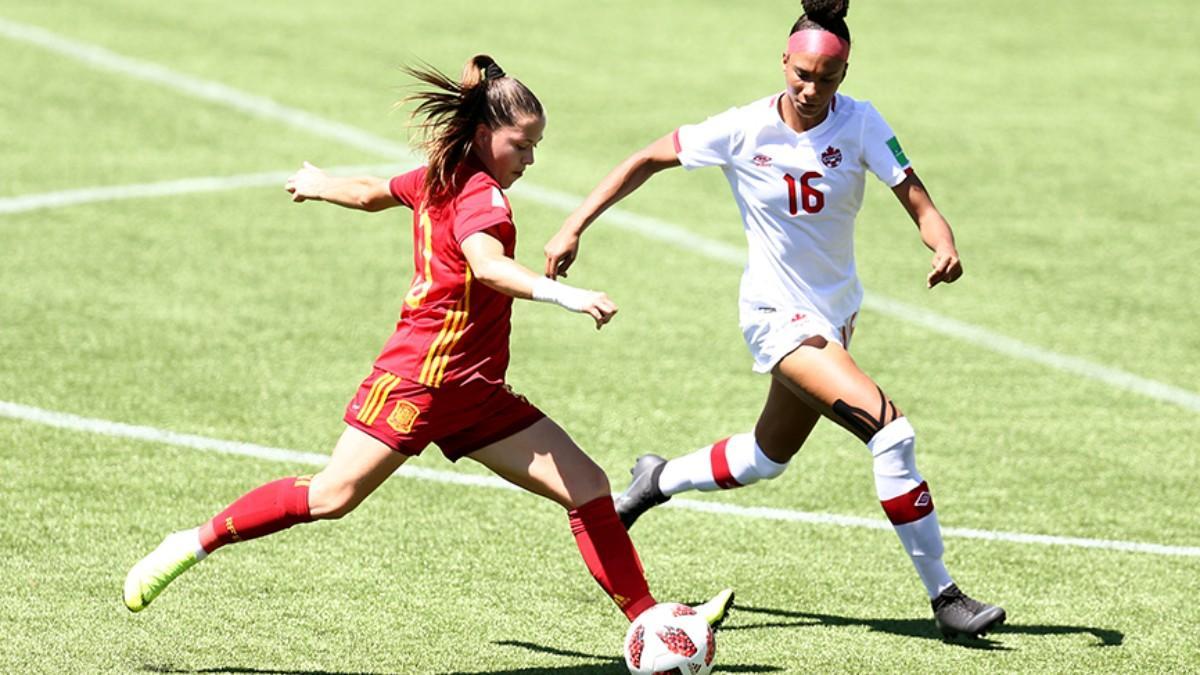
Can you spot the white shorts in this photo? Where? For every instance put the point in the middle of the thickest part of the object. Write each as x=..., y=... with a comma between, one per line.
x=773, y=333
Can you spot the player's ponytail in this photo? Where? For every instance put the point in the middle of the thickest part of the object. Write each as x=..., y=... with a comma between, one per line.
x=826, y=15
x=451, y=111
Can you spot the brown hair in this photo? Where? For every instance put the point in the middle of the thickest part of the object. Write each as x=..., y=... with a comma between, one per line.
x=451, y=111
x=827, y=15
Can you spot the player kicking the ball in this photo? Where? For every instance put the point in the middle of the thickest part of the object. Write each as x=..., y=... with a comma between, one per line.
x=440, y=378
x=797, y=164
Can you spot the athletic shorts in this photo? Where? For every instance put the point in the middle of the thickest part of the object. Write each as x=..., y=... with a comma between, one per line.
x=773, y=333
x=459, y=418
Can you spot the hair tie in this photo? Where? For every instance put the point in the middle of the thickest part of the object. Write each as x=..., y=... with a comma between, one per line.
x=492, y=72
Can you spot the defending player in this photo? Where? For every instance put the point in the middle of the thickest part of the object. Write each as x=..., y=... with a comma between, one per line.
x=796, y=162
x=440, y=378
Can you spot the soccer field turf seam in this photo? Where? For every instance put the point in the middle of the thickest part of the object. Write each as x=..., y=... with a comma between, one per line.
x=154, y=435
x=259, y=106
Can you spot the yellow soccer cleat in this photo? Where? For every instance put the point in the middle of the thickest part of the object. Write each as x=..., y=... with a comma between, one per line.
x=151, y=574
x=716, y=610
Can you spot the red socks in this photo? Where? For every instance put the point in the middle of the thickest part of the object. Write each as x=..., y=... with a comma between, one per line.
x=610, y=556
x=269, y=508
x=602, y=539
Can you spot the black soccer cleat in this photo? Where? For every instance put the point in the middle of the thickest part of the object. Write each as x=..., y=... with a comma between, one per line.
x=957, y=613
x=642, y=493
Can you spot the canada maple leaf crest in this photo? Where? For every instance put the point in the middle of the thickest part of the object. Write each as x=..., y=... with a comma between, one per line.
x=831, y=157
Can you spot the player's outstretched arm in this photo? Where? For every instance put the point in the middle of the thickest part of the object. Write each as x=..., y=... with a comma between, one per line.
x=496, y=270
x=365, y=193
x=935, y=231
x=629, y=175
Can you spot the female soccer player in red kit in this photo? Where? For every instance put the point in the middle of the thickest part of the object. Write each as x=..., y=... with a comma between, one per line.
x=797, y=162
x=440, y=378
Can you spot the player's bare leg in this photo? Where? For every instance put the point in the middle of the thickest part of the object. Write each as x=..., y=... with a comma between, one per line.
x=739, y=460
x=824, y=375
x=785, y=423
x=544, y=460
x=359, y=465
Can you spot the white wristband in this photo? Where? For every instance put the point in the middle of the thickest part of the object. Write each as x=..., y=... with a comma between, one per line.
x=568, y=297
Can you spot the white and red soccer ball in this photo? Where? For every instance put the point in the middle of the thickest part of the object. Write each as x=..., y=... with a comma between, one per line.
x=670, y=639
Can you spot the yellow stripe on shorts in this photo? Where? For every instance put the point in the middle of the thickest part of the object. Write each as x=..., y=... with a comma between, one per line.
x=382, y=386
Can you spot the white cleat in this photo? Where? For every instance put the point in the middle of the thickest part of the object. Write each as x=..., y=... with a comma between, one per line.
x=151, y=574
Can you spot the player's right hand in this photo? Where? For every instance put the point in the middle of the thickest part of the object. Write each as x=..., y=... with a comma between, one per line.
x=306, y=183
x=561, y=251
x=600, y=308
x=946, y=267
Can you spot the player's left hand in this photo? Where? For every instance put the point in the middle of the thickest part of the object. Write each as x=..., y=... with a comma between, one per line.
x=946, y=267
x=600, y=307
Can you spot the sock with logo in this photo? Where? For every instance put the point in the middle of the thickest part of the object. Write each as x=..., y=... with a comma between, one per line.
x=609, y=555
x=907, y=502
x=264, y=510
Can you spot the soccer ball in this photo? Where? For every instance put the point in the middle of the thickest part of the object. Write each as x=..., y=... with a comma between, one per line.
x=670, y=639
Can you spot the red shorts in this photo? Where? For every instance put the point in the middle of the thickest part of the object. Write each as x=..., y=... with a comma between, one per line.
x=460, y=419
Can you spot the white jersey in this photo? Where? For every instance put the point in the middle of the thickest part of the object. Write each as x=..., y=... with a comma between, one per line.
x=798, y=194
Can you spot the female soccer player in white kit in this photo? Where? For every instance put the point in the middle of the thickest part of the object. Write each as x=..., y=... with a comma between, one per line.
x=796, y=162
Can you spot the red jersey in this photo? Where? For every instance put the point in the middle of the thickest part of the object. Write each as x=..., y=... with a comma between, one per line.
x=452, y=328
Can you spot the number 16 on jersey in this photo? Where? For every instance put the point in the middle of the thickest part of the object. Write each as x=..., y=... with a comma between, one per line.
x=812, y=200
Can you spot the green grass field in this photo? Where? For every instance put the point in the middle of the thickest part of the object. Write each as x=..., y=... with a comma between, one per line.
x=1060, y=140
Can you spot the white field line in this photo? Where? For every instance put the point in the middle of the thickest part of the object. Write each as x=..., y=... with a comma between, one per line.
x=49, y=200
x=213, y=92
x=153, y=435
x=258, y=106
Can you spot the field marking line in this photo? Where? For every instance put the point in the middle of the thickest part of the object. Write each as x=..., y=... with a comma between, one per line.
x=166, y=188
x=205, y=90
x=76, y=423
x=259, y=106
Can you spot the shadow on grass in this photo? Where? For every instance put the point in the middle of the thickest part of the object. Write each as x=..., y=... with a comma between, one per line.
x=149, y=668
x=610, y=665
x=917, y=628
x=605, y=665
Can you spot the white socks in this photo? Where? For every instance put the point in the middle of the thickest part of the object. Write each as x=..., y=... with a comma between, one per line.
x=738, y=460
x=906, y=501
x=728, y=463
